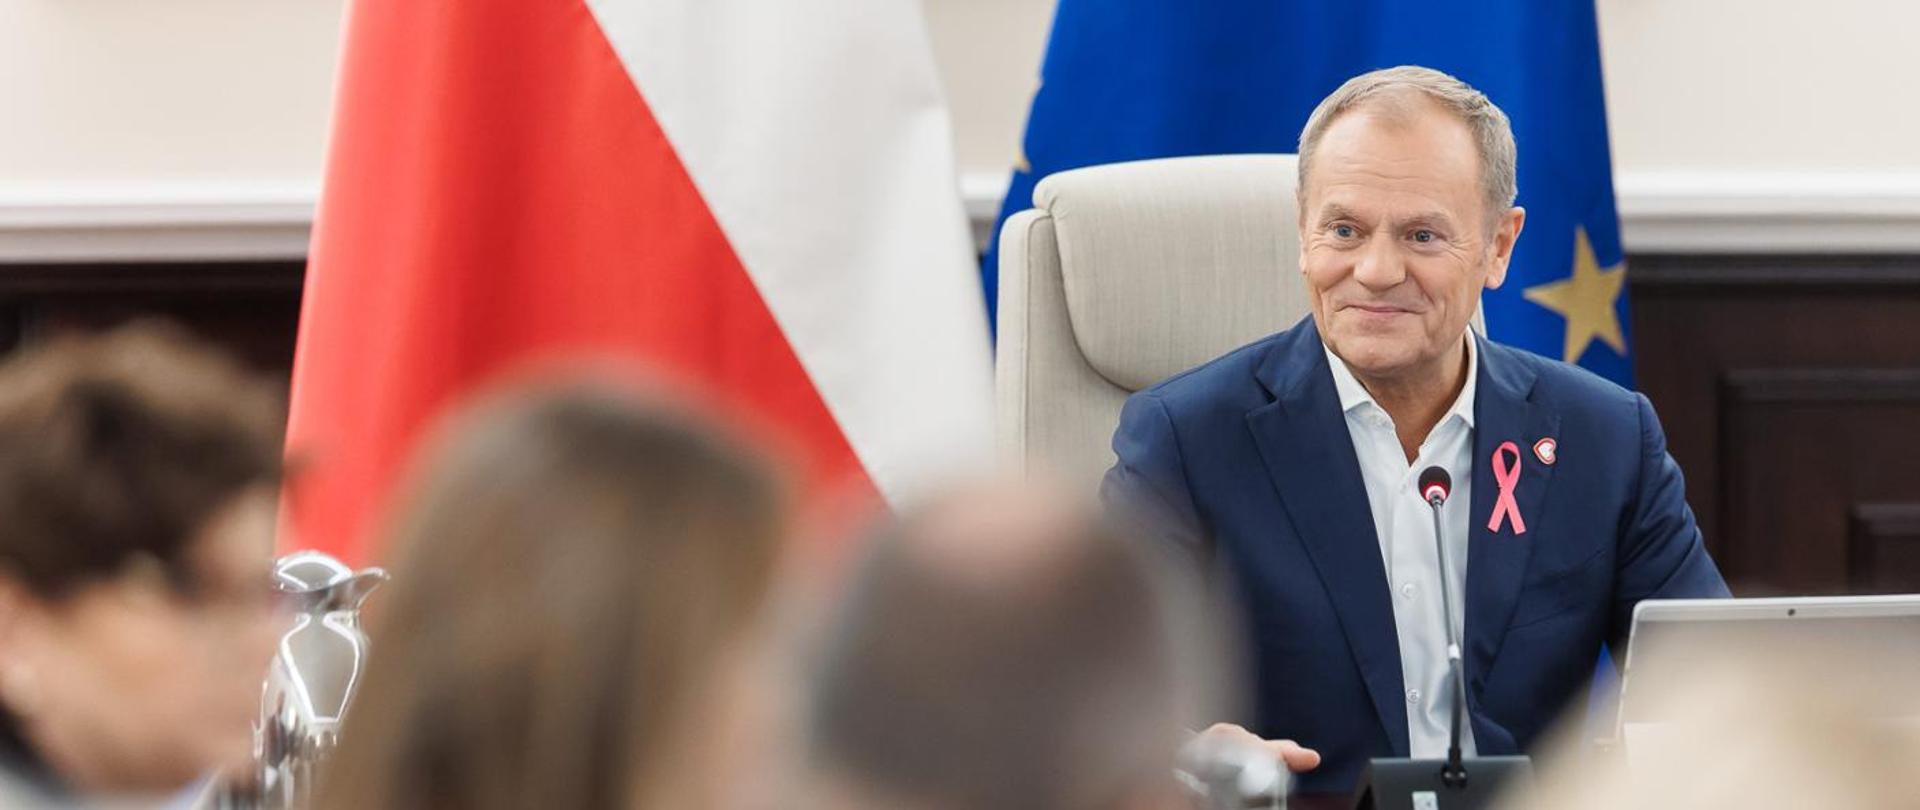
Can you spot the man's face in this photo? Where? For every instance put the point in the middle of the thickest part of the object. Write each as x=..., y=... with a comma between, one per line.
x=1394, y=240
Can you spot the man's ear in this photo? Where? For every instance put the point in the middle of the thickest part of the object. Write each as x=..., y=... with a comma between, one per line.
x=1505, y=235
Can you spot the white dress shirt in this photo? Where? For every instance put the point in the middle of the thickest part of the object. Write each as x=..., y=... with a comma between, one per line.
x=1405, y=527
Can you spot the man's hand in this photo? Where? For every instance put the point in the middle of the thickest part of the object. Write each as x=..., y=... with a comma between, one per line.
x=1298, y=759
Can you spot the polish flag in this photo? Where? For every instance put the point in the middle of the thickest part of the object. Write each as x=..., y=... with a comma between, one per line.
x=756, y=197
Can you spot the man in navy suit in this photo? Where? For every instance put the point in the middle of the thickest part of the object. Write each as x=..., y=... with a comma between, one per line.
x=1289, y=466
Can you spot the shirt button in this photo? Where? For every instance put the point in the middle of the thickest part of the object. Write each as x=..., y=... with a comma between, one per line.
x=1407, y=590
x=1413, y=696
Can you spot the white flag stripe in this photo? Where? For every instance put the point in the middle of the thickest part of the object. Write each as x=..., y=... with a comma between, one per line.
x=818, y=136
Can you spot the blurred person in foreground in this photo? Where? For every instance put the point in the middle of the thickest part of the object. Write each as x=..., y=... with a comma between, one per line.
x=138, y=480
x=1006, y=646
x=1802, y=722
x=576, y=599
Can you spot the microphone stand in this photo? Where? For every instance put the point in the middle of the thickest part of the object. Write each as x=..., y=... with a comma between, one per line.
x=1399, y=783
x=1453, y=773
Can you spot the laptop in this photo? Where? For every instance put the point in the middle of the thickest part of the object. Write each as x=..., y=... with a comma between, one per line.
x=1799, y=639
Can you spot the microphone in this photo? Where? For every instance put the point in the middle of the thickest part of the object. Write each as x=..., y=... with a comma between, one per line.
x=1395, y=783
x=1435, y=486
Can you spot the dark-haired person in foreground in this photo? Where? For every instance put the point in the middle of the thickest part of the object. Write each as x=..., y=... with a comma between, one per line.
x=1003, y=646
x=138, y=481
x=1289, y=465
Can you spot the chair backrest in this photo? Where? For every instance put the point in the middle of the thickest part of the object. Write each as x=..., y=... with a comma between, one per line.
x=1125, y=274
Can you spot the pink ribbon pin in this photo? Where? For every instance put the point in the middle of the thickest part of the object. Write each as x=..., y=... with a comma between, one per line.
x=1506, y=477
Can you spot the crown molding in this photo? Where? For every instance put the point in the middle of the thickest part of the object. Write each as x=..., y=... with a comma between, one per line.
x=1698, y=212
x=156, y=223
x=1709, y=211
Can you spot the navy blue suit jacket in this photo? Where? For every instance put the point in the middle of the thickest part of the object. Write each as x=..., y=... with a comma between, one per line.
x=1246, y=460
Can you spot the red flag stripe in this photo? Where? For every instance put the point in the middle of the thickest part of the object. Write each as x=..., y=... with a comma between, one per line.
x=497, y=189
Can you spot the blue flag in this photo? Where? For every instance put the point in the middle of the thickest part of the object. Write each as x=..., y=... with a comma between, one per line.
x=1136, y=79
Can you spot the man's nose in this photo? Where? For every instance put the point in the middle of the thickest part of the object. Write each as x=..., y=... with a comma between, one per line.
x=1380, y=266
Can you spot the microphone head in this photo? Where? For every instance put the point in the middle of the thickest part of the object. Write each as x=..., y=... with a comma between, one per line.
x=1435, y=485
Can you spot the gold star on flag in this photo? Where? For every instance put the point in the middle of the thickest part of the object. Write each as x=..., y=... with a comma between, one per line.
x=1587, y=300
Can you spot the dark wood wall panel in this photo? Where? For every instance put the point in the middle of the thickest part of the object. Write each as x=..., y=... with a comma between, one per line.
x=1801, y=450
x=250, y=308
x=1790, y=391
x=1884, y=547
x=1787, y=386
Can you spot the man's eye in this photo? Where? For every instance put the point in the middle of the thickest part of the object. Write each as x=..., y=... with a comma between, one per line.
x=1344, y=231
x=1424, y=236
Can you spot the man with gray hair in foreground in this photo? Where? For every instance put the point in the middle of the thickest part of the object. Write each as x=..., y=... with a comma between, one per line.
x=1005, y=646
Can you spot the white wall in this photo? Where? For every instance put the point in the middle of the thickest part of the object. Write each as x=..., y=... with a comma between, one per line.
x=125, y=94
x=157, y=129
x=1761, y=124
x=989, y=52
x=1777, y=85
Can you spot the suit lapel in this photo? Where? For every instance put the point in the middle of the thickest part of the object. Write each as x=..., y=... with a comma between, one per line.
x=1302, y=437
x=1504, y=411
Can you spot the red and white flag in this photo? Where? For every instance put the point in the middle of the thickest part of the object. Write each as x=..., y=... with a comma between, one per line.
x=756, y=196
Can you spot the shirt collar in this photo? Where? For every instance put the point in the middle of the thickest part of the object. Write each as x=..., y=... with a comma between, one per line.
x=1354, y=395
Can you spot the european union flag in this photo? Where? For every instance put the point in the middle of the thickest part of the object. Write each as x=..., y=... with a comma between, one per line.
x=1136, y=79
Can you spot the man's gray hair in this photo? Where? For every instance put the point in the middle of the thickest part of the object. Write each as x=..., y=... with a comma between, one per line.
x=1491, y=131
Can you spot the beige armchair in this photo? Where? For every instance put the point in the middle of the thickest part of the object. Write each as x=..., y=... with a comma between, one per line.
x=1125, y=274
